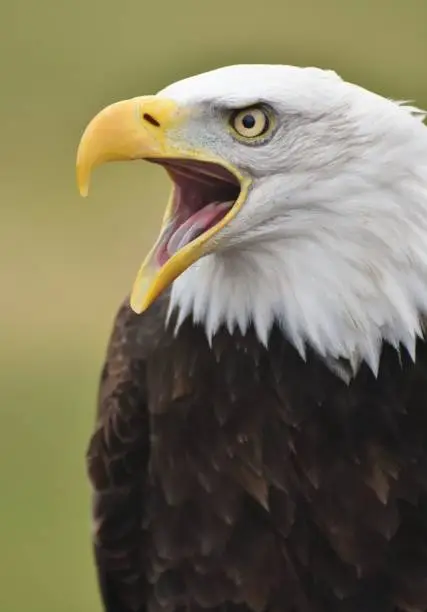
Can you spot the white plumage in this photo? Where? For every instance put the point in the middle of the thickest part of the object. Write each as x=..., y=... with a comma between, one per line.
x=332, y=240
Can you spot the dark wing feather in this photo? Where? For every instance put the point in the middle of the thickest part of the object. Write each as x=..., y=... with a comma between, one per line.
x=117, y=460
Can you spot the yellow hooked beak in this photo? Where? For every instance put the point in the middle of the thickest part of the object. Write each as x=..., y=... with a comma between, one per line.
x=138, y=129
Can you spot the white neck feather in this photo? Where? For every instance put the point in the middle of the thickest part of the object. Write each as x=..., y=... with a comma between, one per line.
x=341, y=305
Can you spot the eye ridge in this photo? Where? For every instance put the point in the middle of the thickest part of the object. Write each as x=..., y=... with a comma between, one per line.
x=250, y=123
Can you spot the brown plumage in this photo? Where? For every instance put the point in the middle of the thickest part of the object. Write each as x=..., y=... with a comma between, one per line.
x=237, y=478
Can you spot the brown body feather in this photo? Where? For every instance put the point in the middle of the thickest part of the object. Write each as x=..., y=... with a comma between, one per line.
x=237, y=478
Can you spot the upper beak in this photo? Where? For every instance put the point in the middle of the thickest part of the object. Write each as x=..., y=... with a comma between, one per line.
x=138, y=129
x=130, y=129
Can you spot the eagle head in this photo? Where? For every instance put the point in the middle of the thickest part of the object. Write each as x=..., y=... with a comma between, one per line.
x=298, y=199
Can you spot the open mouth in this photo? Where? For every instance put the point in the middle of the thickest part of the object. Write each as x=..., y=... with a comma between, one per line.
x=203, y=194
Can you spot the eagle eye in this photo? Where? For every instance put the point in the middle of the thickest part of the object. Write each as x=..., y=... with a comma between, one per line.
x=250, y=123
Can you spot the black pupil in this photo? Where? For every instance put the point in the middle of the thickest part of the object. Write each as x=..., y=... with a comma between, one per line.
x=248, y=121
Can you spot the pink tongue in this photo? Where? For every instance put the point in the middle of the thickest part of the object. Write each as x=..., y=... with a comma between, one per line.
x=195, y=225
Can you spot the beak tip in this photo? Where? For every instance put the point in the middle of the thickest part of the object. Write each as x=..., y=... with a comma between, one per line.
x=137, y=307
x=142, y=295
x=82, y=181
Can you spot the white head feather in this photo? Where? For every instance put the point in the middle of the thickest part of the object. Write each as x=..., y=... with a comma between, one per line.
x=332, y=240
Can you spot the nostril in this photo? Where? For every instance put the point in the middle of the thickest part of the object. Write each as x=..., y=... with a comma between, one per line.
x=150, y=119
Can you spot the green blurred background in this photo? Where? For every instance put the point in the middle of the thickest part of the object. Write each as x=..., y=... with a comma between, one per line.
x=65, y=263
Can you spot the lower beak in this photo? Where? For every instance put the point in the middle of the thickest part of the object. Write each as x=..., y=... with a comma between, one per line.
x=138, y=129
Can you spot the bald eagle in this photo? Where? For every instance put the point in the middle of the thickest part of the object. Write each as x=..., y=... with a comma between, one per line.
x=261, y=436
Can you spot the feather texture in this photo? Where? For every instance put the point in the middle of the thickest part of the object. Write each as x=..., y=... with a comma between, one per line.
x=240, y=478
